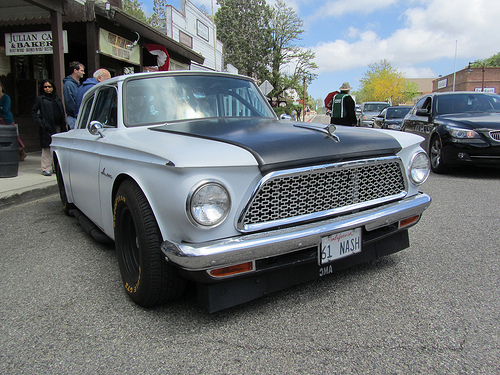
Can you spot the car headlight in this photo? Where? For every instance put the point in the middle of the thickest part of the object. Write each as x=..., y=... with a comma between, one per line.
x=208, y=204
x=462, y=133
x=419, y=168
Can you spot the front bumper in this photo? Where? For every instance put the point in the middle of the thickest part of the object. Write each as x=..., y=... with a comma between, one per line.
x=251, y=247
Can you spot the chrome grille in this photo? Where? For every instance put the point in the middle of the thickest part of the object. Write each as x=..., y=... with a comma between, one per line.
x=495, y=135
x=308, y=193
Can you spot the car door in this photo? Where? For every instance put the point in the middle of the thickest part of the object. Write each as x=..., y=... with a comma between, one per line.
x=419, y=119
x=87, y=151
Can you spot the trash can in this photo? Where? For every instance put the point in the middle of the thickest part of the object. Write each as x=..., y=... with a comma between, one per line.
x=9, y=151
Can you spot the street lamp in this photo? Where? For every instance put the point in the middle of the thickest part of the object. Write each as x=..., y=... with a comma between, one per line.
x=483, y=68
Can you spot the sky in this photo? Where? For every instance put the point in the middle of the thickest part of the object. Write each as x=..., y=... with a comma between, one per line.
x=419, y=38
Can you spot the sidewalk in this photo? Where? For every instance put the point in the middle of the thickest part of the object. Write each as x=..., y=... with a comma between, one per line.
x=29, y=184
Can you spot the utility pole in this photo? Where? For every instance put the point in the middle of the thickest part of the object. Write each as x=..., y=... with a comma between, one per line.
x=304, y=101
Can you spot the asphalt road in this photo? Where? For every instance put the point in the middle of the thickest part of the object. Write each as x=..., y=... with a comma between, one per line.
x=431, y=309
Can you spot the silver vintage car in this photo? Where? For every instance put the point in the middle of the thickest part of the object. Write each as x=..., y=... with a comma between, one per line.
x=195, y=179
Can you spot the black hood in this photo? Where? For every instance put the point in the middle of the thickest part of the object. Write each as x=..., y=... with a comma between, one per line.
x=473, y=120
x=278, y=144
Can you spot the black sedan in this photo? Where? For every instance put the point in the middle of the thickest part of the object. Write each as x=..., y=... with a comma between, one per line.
x=391, y=117
x=460, y=128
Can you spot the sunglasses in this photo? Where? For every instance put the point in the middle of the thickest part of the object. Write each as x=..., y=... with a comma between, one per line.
x=47, y=87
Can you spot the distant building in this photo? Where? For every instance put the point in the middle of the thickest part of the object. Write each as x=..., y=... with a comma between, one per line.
x=196, y=30
x=424, y=85
x=469, y=79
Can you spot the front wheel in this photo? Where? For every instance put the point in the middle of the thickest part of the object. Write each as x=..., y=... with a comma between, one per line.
x=148, y=279
x=66, y=206
x=436, y=155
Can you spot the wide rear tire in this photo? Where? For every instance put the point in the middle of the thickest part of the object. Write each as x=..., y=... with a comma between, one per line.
x=147, y=278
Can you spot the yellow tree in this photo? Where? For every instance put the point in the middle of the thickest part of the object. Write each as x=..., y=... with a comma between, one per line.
x=384, y=83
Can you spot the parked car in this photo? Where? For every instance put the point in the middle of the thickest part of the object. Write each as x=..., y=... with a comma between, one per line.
x=461, y=128
x=391, y=117
x=194, y=178
x=368, y=111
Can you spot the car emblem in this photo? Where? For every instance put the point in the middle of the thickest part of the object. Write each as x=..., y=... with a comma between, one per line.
x=331, y=129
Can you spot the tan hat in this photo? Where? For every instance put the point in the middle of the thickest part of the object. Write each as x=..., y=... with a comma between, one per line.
x=345, y=87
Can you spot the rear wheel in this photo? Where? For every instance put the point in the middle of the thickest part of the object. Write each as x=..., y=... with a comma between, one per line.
x=148, y=279
x=436, y=155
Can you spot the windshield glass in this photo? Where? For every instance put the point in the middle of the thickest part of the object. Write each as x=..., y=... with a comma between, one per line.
x=163, y=99
x=397, y=112
x=460, y=103
x=374, y=107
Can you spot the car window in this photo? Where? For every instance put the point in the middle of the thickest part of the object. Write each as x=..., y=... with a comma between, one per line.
x=374, y=107
x=105, y=110
x=466, y=103
x=177, y=98
x=397, y=112
x=85, y=112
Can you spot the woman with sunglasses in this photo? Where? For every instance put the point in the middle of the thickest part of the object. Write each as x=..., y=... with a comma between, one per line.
x=48, y=113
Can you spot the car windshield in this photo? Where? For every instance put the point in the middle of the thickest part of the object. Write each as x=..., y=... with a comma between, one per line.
x=374, y=107
x=397, y=112
x=460, y=103
x=183, y=97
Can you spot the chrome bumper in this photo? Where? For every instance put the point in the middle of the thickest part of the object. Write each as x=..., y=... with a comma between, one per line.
x=244, y=248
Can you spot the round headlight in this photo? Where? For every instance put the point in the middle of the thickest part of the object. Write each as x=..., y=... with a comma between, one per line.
x=419, y=168
x=209, y=204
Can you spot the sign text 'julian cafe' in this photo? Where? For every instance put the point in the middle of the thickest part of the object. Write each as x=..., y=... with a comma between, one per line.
x=31, y=43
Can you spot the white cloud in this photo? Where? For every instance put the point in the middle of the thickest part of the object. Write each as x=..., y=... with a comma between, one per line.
x=430, y=32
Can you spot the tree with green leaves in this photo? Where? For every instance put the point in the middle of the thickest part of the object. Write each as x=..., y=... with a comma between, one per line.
x=158, y=18
x=384, y=83
x=134, y=8
x=490, y=62
x=243, y=27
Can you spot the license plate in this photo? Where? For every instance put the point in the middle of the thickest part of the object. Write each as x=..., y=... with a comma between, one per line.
x=340, y=245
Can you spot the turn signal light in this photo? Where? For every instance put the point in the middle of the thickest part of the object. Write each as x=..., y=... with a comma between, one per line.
x=231, y=270
x=408, y=221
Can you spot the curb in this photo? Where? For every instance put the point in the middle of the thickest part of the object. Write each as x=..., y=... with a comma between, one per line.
x=28, y=196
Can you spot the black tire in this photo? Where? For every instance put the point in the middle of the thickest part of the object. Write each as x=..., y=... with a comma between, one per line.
x=147, y=278
x=67, y=207
x=436, y=156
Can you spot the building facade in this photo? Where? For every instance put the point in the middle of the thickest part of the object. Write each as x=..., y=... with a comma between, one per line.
x=469, y=79
x=193, y=28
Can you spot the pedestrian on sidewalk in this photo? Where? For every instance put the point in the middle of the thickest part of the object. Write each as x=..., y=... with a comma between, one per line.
x=6, y=118
x=98, y=76
x=343, y=107
x=48, y=113
x=70, y=87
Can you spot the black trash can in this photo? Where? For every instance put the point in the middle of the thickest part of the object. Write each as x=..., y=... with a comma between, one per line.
x=9, y=151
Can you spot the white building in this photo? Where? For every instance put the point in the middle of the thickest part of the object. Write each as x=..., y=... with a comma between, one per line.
x=191, y=27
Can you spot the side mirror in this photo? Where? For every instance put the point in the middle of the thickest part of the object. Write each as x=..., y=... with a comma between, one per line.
x=422, y=112
x=95, y=128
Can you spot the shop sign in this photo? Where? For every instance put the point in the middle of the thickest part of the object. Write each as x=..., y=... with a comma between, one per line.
x=118, y=47
x=442, y=83
x=32, y=43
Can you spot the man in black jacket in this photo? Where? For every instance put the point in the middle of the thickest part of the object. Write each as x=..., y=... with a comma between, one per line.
x=343, y=107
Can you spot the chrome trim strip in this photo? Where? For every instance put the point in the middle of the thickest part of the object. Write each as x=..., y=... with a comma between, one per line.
x=245, y=248
x=319, y=215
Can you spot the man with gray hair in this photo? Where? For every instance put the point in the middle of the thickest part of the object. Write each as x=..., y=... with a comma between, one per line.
x=99, y=76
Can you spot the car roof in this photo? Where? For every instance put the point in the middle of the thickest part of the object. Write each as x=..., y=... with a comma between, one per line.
x=126, y=77
x=461, y=93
